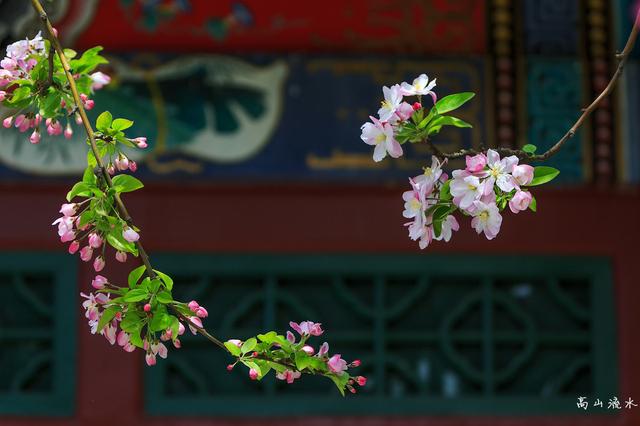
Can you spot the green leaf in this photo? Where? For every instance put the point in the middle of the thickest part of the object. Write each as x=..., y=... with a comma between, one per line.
x=529, y=148
x=340, y=381
x=126, y=183
x=120, y=124
x=79, y=189
x=160, y=321
x=451, y=102
x=269, y=337
x=103, y=123
x=445, y=191
x=89, y=177
x=50, y=104
x=168, y=281
x=136, y=295
x=164, y=297
x=117, y=241
x=175, y=327
x=131, y=321
x=136, y=340
x=543, y=174
x=232, y=348
x=86, y=216
x=134, y=276
x=107, y=316
x=534, y=204
x=249, y=345
x=449, y=120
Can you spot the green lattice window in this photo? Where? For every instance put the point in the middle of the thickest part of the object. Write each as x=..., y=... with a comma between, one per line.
x=436, y=334
x=37, y=334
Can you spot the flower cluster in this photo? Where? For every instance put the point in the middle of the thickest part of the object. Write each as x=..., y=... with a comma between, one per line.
x=291, y=356
x=481, y=190
x=39, y=94
x=139, y=316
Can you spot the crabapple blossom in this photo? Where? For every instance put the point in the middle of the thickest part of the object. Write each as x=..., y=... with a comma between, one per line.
x=520, y=201
x=308, y=350
x=306, y=328
x=381, y=136
x=86, y=253
x=253, y=374
x=523, y=174
x=289, y=376
x=121, y=256
x=476, y=163
x=74, y=247
x=466, y=189
x=98, y=264
x=336, y=364
x=324, y=349
x=95, y=240
x=391, y=102
x=99, y=80
x=130, y=235
x=69, y=209
x=449, y=224
x=487, y=219
x=99, y=282
x=420, y=86
x=500, y=171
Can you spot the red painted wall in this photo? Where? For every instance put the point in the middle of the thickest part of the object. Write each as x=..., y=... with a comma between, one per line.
x=327, y=219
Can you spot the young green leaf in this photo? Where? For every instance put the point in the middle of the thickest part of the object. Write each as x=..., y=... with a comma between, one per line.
x=103, y=123
x=543, y=174
x=232, y=348
x=164, y=297
x=249, y=345
x=120, y=124
x=451, y=102
x=534, y=204
x=136, y=295
x=529, y=148
x=134, y=276
x=126, y=183
x=107, y=316
x=168, y=281
x=79, y=189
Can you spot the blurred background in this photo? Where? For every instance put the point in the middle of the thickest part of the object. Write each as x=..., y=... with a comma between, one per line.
x=265, y=206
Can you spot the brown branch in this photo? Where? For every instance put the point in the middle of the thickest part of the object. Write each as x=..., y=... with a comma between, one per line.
x=122, y=210
x=622, y=60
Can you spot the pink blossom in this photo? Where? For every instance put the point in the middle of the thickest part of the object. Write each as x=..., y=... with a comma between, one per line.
x=159, y=349
x=336, y=364
x=202, y=312
x=324, y=349
x=465, y=189
x=181, y=329
x=177, y=344
x=99, y=282
x=150, y=359
x=426, y=236
x=476, y=163
x=121, y=256
x=381, y=136
x=361, y=380
x=404, y=111
x=130, y=235
x=308, y=350
x=193, y=306
x=95, y=240
x=99, y=80
x=289, y=376
x=124, y=340
x=68, y=209
x=253, y=374
x=520, y=201
x=7, y=122
x=35, y=137
x=98, y=264
x=133, y=166
x=307, y=328
x=290, y=337
x=499, y=171
x=416, y=106
x=449, y=224
x=420, y=86
x=196, y=321
x=73, y=247
x=355, y=363
x=236, y=342
x=86, y=253
x=53, y=127
x=391, y=102
x=109, y=332
x=68, y=131
x=65, y=224
x=523, y=174
x=68, y=236
x=140, y=141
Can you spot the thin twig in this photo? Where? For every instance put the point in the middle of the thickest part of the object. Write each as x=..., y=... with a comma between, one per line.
x=622, y=60
x=122, y=210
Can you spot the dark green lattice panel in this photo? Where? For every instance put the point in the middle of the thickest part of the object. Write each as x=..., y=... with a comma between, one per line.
x=435, y=334
x=37, y=334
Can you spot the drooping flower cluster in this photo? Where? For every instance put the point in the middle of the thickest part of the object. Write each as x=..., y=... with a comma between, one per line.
x=138, y=316
x=39, y=94
x=482, y=190
x=393, y=113
x=290, y=357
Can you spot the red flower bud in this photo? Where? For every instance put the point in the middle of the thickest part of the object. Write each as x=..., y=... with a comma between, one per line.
x=147, y=307
x=416, y=106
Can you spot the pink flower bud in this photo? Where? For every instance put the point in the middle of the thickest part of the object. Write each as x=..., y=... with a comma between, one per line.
x=150, y=359
x=86, y=253
x=20, y=119
x=193, y=306
x=416, y=106
x=121, y=256
x=202, y=312
x=111, y=170
x=181, y=329
x=230, y=367
x=476, y=163
x=35, y=137
x=236, y=342
x=147, y=307
x=130, y=235
x=68, y=132
x=73, y=247
x=253, y=374
x=122, y=163
x=95, y=240
x=177, y=344
x=361, y=380
x=3, y=95
x=336, y=364
x=68, y=209
x=308, y=350
x=520, y=201
x=78, y=119
x=89, y=104
x=523, y=174
x=141, y=142
x=68, y=236
x=98, y=264
x=6, y=123
x=98, y=282
x=133, y=166
x=356, y=363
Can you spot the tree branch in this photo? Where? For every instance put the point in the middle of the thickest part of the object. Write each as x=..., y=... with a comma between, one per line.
x=622, y=60
x=122, y=210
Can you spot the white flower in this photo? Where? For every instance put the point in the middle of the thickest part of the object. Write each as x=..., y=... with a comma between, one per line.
x=449, y=224
x=500, y=171
x=392, y=100
x=465, y=189
x=381, y=136
x=487, y=219
x=420, y=86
